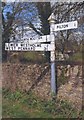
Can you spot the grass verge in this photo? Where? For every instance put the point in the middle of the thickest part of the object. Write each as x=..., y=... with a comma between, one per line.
x=21, y=105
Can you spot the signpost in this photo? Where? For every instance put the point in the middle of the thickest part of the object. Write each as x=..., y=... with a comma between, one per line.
x=28, y=47
x=52, y=57
x=40, y=44
x=44, y=38
x=66, y=26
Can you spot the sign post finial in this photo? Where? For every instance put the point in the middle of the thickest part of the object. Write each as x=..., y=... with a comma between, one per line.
x=51, y=19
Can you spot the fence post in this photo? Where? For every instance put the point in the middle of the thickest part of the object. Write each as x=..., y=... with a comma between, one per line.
x=52, y=57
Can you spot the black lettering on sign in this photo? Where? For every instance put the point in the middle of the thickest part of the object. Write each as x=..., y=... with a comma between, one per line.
x=19, y=48
x=29, y=48
x=11, y=48
x=14, y=47
x=57, y=26
x=62, y=26
x=22, y=44
x=25, y=48
x=16, y=44
x=11, y=44
x=45, y=48
x=38, y=45
x=22, y=48
x=30, y=38
x=32, y=48
x=7, y=48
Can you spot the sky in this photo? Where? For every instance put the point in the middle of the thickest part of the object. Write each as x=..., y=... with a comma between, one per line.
x=7, y=9
x=42, y=0
x=25, y=14
x=28, y=15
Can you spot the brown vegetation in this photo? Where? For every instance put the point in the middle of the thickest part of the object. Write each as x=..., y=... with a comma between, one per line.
x=36, y=77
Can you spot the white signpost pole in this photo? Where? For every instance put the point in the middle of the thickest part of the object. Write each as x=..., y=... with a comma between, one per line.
x=53, y=77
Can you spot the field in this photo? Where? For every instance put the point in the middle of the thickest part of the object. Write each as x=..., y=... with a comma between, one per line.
x=21, y=105
x=38, y=103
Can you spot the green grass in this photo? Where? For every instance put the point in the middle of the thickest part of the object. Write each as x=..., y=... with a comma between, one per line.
x=21, y=105
x=76, y=57
x=32, y=57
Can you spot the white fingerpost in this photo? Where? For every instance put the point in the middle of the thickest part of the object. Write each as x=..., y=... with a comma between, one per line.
x=53, y=75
